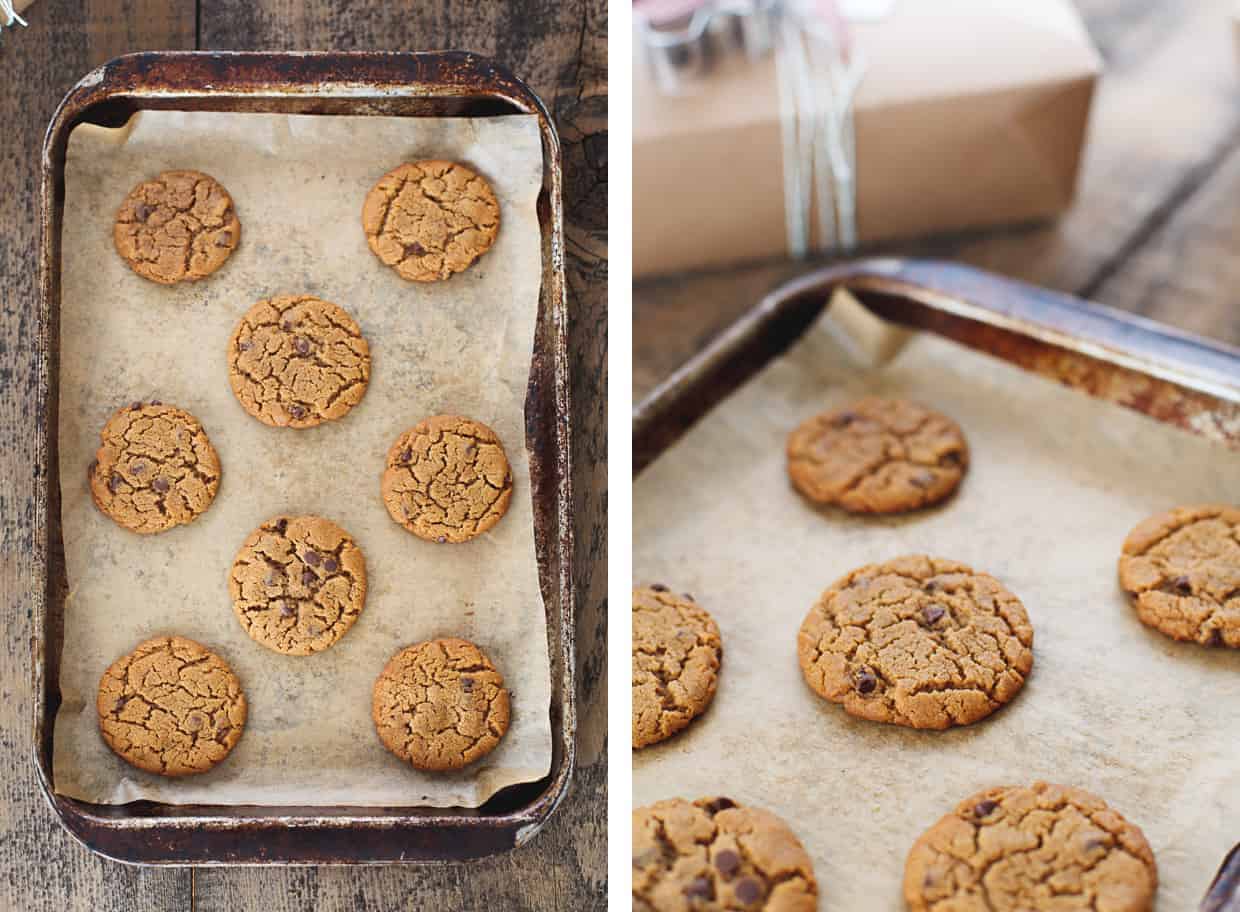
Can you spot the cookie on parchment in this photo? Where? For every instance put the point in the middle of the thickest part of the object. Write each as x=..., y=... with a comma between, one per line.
x=155, y=468
x=447, y=479
x=1023, y=849
x=179, y=226
x=877, y=456
x=1182, y=570
x=917, y=641
x=430, y=219
x=298, y=584
x=676, y=656
x=712, y=855
x=440, y=705
x=171, y=707
x=297, y=361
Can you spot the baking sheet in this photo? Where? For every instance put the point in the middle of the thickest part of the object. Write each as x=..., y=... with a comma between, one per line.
x=463, y=346
x=1056, y=481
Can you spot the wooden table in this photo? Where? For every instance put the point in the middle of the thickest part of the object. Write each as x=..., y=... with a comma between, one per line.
x=1155, y=229
x=559, y=46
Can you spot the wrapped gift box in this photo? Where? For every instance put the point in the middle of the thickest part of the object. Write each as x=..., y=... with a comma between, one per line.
x=971, y=113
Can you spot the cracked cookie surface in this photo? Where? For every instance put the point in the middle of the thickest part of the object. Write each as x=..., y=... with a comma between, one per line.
x=447, y=479
x=297, y=361
x=1029, y=848
x=440, y=705
x=298, y=584
x=179, y=226
x=676, y=656
x=877, y=456
x=917, y=641
x=171, y=707
x=712, y=854
x=1182, y=571
x=155, y=468
x=430, y=219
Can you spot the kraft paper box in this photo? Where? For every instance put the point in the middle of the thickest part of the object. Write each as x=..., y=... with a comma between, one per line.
x=971, y=113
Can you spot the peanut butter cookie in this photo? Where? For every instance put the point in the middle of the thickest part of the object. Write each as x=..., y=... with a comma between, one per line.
x=171, y=707
x=676, y=656
x=296, y=361
x=1182, y=570
x=430, y=219
x=298, y=584
x=713, y=855
x=178, y=227
x=447, y=479
x=440, y=705
x=1023, y=849
x=878, y=456
x=917, y=641
x=154, y=469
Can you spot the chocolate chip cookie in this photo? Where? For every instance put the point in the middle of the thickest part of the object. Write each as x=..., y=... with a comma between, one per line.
x=171, y=707
x=676, y=655
x=447, y=479
x=297, y=361
x=298, y=584
x=177, y=227
x=155, y=468
x=430, y=219
x=917, y=641
x=1182, y=571
x=1022, y=849
x=878, y=456
x=713, y=854
x=440, y=705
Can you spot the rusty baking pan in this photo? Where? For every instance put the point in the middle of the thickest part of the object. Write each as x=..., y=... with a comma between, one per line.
x=1168, y=375
x=392, y=84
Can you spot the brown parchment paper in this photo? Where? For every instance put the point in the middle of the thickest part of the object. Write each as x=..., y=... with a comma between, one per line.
x=462, y=346
x=1057, y=480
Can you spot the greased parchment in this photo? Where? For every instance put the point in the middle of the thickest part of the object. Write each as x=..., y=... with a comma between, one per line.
x=460, y=347
x=1055, y=483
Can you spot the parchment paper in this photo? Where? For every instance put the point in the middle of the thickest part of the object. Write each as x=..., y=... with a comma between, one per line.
x=461, y=346
x=1056, y=482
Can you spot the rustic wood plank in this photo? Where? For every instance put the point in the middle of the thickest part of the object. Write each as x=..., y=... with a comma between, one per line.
x=1163, y=121
x=560, y=48
x=41, y=866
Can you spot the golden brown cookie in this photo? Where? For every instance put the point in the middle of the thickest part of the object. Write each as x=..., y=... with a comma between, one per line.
x=713, y=855
x=676, y=655
x=917, y=641
x=447, y=479
x=430, y=219
x=878, y=456
x=298, y=584
x=154, y=469
x=440, y=705
x=296, y=361
x=171, y=707
x=177, y=227
x=1024, y=849
x=1182, y=570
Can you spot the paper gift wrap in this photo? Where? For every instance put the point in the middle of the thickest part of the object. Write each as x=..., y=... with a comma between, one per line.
x=971, y=113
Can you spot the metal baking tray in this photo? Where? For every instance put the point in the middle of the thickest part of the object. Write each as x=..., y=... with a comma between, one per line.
x=1171, y=376
x=403, y=84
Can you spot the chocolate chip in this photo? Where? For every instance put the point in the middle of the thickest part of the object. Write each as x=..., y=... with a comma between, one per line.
x=330, y=565
x=1092, y=843
x=138, y=467
x=288, y=325
x=658, y=587
x=866, y=681
x=312, y=558
x=727, y=862
x=1182, y=585
x=301, y=345
x=1216, y=637
x=194, y=721
x=135, y=405
x=308, y=577
x=467, y=685
x=282, y=526
x=951, y=460
x=984, y=808
x=748, y=890
x=245, y=346
x=156, y=402
x=160, y=485
x=120, y=704
x=114, y=483
x=931, y=585
x=689, y=597
x=441, y=539
x=922, y=480
x=932, y=613
x=223, y=239
x=715, y=805
x=274, y=576
x=287, y=610
x=470, y=450
x=843, y=419
x=700, y=887
x=222, y=733
x=297, y=411
x=142, y=211
x=406, y=454
x=417, y=249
